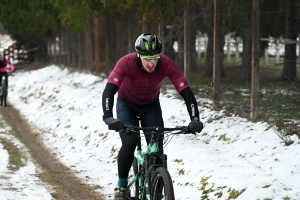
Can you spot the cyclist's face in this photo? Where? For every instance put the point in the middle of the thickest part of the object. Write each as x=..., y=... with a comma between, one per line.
x=149, y=64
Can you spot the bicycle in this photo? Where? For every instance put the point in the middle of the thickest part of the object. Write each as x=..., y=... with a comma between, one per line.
x=151, y=181
x=3, y=88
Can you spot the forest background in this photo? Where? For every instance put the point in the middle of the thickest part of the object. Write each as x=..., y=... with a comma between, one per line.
x=239, y=55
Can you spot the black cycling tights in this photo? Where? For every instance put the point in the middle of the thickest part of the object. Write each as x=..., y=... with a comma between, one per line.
x=151, y=115
x=126, y=153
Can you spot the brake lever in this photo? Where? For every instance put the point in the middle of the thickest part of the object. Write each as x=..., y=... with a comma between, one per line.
x=185, y=130
x=129, y=130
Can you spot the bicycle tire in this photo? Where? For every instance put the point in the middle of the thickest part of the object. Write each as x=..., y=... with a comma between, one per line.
x=1, y=96
x=4, y=94
x=133, y=192
x=162, y=185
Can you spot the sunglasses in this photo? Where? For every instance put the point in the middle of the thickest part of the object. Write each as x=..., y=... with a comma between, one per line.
x=153, y=60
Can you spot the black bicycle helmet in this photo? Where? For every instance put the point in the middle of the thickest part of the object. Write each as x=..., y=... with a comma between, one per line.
x=148, y=44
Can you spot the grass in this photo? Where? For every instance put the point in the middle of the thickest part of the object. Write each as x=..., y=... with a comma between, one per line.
x=218, y=192
x=223, y=138
x=279, y=101
x=17, y=158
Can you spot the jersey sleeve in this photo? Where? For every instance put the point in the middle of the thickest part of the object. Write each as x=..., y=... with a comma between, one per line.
x=176, y=77
x=117, y=75
x=108, y=100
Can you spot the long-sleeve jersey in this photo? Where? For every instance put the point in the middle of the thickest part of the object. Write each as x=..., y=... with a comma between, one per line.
x=140, y=88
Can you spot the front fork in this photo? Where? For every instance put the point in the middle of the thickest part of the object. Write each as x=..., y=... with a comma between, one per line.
x=149, y=167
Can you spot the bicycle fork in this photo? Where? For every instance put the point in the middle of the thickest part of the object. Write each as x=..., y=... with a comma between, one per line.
x=146, y=165
x=149, y=167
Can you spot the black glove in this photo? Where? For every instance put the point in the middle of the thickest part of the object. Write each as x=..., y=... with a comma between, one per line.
x=195, y=126
x=114, y=124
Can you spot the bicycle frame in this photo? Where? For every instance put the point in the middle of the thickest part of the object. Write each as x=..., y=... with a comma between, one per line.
x=145, y=166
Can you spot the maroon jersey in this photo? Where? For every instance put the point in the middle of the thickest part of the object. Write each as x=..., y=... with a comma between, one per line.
x=140, y=88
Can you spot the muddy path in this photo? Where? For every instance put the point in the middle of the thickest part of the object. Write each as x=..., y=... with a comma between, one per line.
x=64, y=184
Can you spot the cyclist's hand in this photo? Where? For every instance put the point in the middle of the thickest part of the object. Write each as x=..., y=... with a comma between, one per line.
x=195, y=126
x=114, y=124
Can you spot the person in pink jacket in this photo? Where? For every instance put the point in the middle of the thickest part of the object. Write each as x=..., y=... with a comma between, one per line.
x=5, y=66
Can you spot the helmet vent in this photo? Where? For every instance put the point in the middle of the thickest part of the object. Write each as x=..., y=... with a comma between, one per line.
x=148, y=44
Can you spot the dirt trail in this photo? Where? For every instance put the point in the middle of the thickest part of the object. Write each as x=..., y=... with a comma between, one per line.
x=63, y=182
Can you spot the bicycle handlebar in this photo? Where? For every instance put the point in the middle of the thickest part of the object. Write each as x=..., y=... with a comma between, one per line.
x=181, y=129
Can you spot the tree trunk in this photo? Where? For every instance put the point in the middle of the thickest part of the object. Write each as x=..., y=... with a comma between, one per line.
x=96, y=43
x=121, y=38
x=88, y=50
x=60, y=45
x=180, y=54
x=209, y=53
x=110, y=44
x=148, y=25
x=255, y=61
x=74, y=49
x=187, y=54
x=246, y=59
x=193, y=35
x=101, y=44
x=56, y=48
x=68, y=45
x=63, y=44
x=217, y=55
x=81, y=62
x=290, y=57
x=222, y=55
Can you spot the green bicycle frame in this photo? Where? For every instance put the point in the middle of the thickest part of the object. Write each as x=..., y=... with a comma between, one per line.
x=151, y=160
x=151, y=148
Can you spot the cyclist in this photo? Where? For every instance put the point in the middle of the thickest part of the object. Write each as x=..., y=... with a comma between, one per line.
x=138, y=77
x=4, y=67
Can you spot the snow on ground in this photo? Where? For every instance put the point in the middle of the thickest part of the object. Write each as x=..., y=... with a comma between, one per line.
x=230, y=155
x=23, y=183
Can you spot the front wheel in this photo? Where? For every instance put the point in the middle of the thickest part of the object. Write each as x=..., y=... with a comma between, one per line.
x=162, y=186
x=3, y=94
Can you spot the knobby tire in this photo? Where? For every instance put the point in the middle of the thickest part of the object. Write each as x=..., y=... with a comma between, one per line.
x=3, y=94
x=162, y=186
